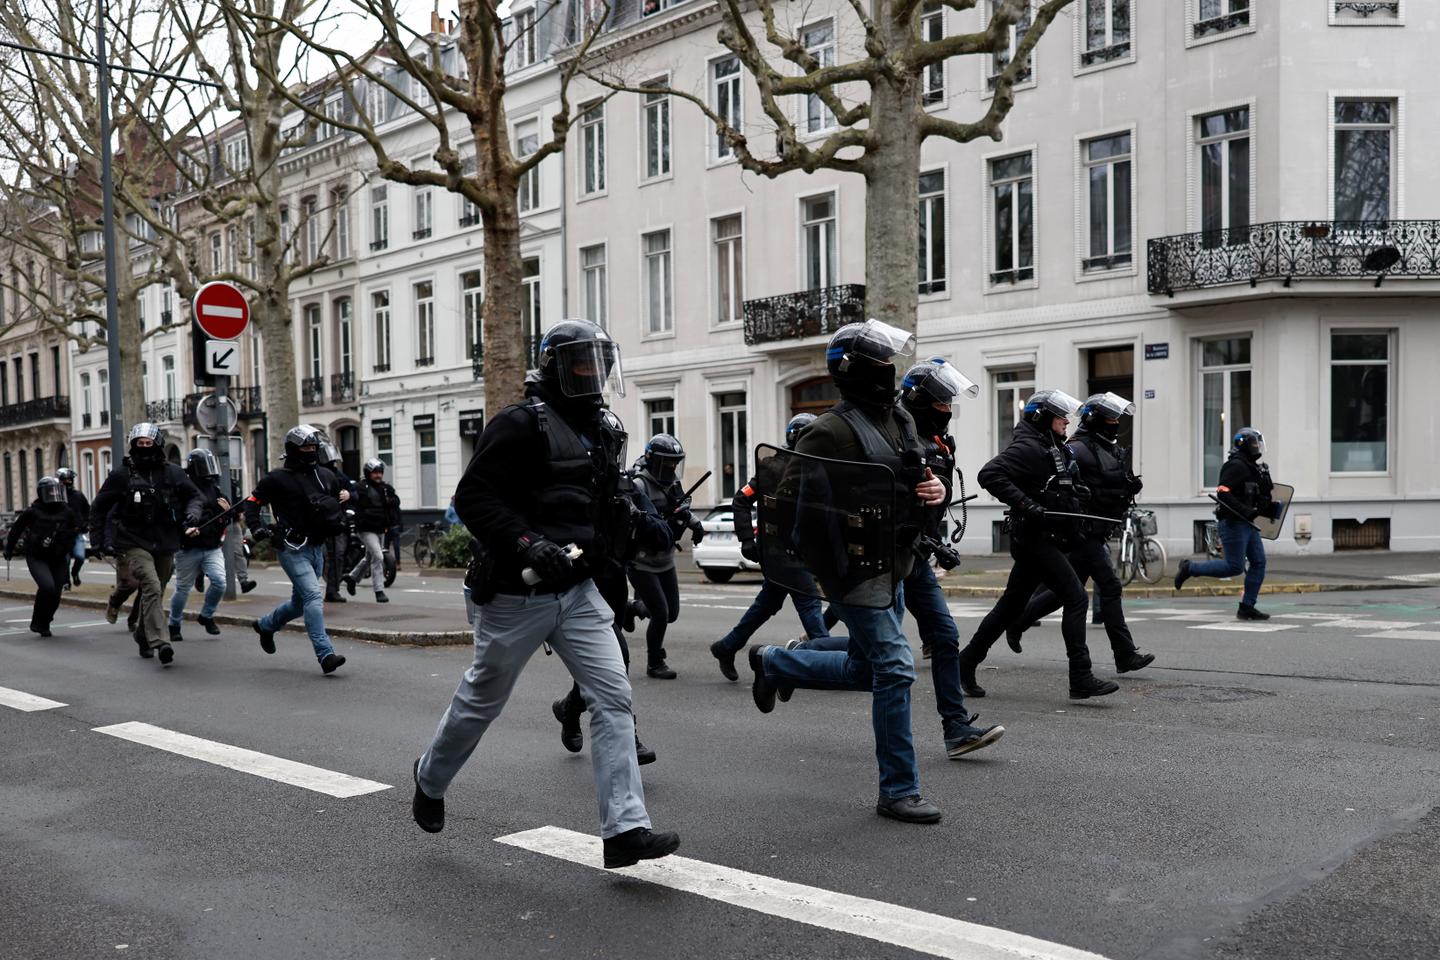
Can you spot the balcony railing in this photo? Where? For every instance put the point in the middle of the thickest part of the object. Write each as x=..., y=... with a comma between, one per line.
x=29, y=411
x=1368, y=9
x=1230, y=21
x=342, y=388
x=164, y=411
x=477, y=361
x=85, y=419
x=1116, y=51
x=246, y=398
x=1295, y=250
x=807, y=313
x=312, y=391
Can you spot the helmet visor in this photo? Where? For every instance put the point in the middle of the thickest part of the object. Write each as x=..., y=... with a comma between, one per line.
x=51, y=491
x=589, y=368
x=1055, y=402
x=883, y=343
x=203, y=463
x=946, y=384
x=1110, y=406
x=329, y=453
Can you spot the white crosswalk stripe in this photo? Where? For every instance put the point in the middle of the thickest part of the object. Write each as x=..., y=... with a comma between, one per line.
x=25, y=702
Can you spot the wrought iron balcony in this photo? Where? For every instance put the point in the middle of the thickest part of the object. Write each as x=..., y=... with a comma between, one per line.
x=1116, y=51
x=312, y=391
x=807, y=313
x=1368, y=9
x=1215, y=25
x=477, y=361
x=164, y=411
x=469, y=218
x=1295, y=250
x=342, y=388
x=85, y=419
x=31, y=411
x=378, y=245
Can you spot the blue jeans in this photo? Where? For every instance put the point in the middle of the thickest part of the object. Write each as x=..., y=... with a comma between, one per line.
x=187, y=564
x=767, y=603
x=305, y=566
x=878, y=660
x=1242, y=542
x=926, y=603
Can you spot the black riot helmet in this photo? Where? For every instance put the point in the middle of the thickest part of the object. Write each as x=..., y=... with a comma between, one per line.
x=66, y=476
x=1101, y=414
x=202, y=465
x=934, y=382
x=303, y=435
x=1045, y=405
x=142, y=453
x=50, y=490
x=798, y=424
x=1249, y=442
x=861, y=359
x=329, y=453
x=581, y=360
x=374, y=465
x=664, y=457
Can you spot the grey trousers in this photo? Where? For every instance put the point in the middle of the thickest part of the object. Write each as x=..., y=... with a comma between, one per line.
x=375, y=556
x=152, y=572
x=578, y=626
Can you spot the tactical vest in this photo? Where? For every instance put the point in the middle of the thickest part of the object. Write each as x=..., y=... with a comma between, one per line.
x=1110, y=488
x=146, y=503
x=574, y=477
x=906, y=462
x=47, y=536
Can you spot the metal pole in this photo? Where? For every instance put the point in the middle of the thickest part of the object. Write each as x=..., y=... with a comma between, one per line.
x=107, y=199
x=227, y=490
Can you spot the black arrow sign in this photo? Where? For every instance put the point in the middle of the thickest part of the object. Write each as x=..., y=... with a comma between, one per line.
x=221, y=359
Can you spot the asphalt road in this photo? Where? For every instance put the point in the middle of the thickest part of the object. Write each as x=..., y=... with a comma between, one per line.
x=1255, y=795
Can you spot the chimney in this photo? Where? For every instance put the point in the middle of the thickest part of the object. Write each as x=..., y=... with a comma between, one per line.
x=436, y=24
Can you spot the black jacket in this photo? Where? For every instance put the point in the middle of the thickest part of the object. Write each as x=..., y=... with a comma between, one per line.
x=665, y=500
x=1104, y=473
x=150, y=505
x=1019, y=474
x=377, y=507
x=49, y=530
x=212, y=536
x=1245, y=489
x=79, y=505
x=304, y=500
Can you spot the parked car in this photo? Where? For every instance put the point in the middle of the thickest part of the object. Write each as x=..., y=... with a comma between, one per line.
x=718, y=555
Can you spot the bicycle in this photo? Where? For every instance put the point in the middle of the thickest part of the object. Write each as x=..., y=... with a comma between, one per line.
x=1214, y=549
x=427, y=543
x=1138, y=553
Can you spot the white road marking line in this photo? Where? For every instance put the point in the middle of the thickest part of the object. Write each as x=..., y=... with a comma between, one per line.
x=1312, y=616
x=883, y=922
x=12, y=609
x=1200, y=617
x=26, y=702
x=717, y=606
x=1247, y=627
x=246, y=761
x=88, y=623
x=1414, y=577
x=20, y=619
x=1403, y=635
x=1354, y=623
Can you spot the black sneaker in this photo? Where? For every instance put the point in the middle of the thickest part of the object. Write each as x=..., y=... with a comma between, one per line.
x=267, y=637
x=334, y=598
x=247, y=585
x=331, y=663
x=349, y=585
x=571, y=737
x=968, y=684
x=209, y=624
x=642, y=843
x=112, y=613
x=175, y=633
x=761, y=688
x=1182, y=574
x=924, y=650
x=1135, y=661
x=914, y=809
x=166, y=653
x=726, y=659
x=1250, y=613
x=380, y=597
x=75, y=579
x=142, y=643
x=42, y=631
x=963, y=738
x=660, y=670
x=428, y=812
x=1083, y=688
x=643, y=754
x=1012, y=637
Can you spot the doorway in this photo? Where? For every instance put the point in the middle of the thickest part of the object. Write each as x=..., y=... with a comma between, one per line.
x=1112, y=370
x=816, y=396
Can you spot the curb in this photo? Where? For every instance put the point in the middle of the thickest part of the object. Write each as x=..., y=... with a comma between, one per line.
x=1146, y=593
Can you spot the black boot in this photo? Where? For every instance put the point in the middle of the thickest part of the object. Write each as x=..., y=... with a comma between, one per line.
x=1013, y=635
x=1132, y=661
x=632, y=846
x=761, y=688
x=1182, y=574
x=968, y=683
x=567, y=711
x=175, y=633
x=643, y=754
x=1250, y=613
x=726, y=659
x=142, y=643
x=209, y=624
x=428, y=812
x=1088, y=685
x=247, y=585
x=660, y=670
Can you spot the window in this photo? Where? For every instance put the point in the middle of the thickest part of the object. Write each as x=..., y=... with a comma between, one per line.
x=469, y=212
x=592, y=149
x=524, y=48
x=5, y=385
x=429, y=466
x=1107, y=32
x=340, y=205
x=35, y=386
x=87, y=480
x=818, y=240
x=424, y=323
x=335, y=113
x=252, y=264
x=660, y=416
x=1107, y=163
x=819, y=41
x=345, y=336
x=424, y=205
x=379, y=217
x=232, y=250
x=1224, y=142
x=140, y=309
x=9, y=486
x=216, y=259
x=1012, y=388
x=257, y=360
x=532, y=317
x=725, y=99
x=55, y=377
x=167, y=364
x=1220, y=16
x=102, y=380
x=932, y=29
x=1012, y=199
x=287, y=238
x=24, y=474
x=932, y=254
x=1363, y=158
x=595, y=283
x=85, y=405
x=527, y=141
x=730, y=421
x=237, y=155
x=309, y=209
x=380, y=313
x=1359, y=401
x=1016, y=32
x=384, y=444
x=1224, y=400
x=106, y=462
x=656, y=107
x=658, y=282
x=728, y=256
x=314, y=335
x=651, y=7
x=19, y=380
x=472, y=300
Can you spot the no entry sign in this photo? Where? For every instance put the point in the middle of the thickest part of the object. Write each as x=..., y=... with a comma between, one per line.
x=221, y=310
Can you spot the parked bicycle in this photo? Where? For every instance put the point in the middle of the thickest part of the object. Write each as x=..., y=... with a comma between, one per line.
x=1138, y=553
x=427, y=544
x=1214, y=549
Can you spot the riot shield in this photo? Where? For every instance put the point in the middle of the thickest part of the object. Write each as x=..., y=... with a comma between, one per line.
x=827, y=527
x=1270, y=529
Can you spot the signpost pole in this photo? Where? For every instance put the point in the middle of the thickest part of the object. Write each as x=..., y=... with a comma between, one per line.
x=222, y=314
x=227, y=490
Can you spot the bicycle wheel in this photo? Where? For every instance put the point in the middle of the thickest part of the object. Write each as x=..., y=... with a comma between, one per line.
x=389, y=568
x=423, y=553
x=1151, y=560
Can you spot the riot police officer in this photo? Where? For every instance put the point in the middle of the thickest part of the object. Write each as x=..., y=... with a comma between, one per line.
x=377, y=510
x=49, y=528
x=155, y=508
x=652, y=572
x=202, y=555
x=543, y=493
x=80, y=506
x=869, y=426
x=338, y=545
x=1035, y=475
x=1244, y=492
x=1105, y=472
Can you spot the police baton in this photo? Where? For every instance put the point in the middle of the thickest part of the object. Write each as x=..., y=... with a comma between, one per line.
x=234, y=509
x=695, y=486
x=1082, y=516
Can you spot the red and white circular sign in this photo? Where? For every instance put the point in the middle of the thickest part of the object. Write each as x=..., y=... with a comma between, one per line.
x=221, y=310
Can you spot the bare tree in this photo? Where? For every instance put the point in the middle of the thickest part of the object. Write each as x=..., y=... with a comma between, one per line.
x=873, y=105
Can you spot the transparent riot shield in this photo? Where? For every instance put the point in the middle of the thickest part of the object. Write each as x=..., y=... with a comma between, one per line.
x=827, y=527
x=1269, y=527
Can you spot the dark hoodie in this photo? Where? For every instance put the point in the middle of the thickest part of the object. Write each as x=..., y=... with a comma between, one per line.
x=49, y=529
x=152, y=504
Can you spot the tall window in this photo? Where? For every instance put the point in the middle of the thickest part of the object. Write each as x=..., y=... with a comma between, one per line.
x=140, y=309
x=344, y=335
x=429, y=466
x=472, y=299
x=1224, y=400
x=20, y=380
x=256, y=358
x=1002, y=58
x=384, y=444
x=1224, y=142
x=315, y=335
x=728, y=256
x=1107, y=163
x=660, y=416
x=310, y=210
x=232, y=250
x=167, y=366
x=592, y=149
x=87, y=479
x=658, y=282
x=24, y=474
x=55, y=377
x=334, y=111
x=85, y=407
x=1364, y=165
x=424, y=323
x=1013, y=388
x=524, y=48
x=932, y=260
x=35, y=385
x=251, y=266
x=725, y=100
x=1218, y=16
x=102, y=382
x=5, y=382
x=1359, y=401
x=1107, y=31
x=734, y=447
x=595, y=283
x=380, y=315
x=216, y=260
x=527, y=141
x=532, y=317
x=818, y=232
x=932, y=28
x=340, y=205
x=287, y=237
x=379, y=217
x=656, y=107
x=469, y=212
x=1012, y=198
x=819, y=41
x=9, y=486
x=424, y=206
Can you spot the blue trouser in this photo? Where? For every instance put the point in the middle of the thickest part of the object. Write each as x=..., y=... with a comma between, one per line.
x=878, y=660
x=187, y=564
x=767, y=603
x=1242, y=542
x=305, y=566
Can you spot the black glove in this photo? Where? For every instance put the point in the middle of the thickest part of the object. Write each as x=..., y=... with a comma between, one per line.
x=750, y=550
x=1135, y=486
x=546, y=557
x=1030, y=510
x=697, y=532
x=261, y=533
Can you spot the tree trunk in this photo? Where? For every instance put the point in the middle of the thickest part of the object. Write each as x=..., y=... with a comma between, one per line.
x=505, y=336
x=131, y=372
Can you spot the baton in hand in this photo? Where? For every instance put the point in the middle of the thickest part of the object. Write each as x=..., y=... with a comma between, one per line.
x=1082, y=516
x=696, y=486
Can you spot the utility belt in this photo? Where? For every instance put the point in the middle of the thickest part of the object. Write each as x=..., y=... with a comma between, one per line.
x=486, y=579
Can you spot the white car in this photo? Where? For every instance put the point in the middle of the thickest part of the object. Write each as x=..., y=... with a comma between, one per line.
x=718, y=555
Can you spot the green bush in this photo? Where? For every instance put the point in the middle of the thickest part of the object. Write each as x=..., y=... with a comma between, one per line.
x=453, y=550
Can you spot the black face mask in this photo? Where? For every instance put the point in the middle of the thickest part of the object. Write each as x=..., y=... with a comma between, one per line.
x=929, y=421
x=1106, y=430
x=146, y=456
x=868, y=381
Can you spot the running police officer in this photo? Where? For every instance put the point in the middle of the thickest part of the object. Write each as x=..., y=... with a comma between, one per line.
x=336, y=546
x=155, y=508
x=543, y=492
x=1244, y=493
x=50, y=529
x=377, y=509
x=305, y=500
x=202, y=554
x=772, y=596
x=652, y=572
x=80, y=506
x=1105, y=472
x=1035, y=475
